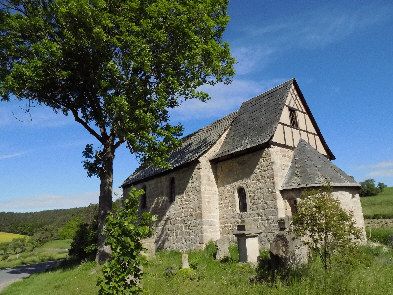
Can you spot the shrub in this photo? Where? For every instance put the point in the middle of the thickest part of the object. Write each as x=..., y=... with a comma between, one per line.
x=84, y=245
x=69, y=230
x=324, y=226
x=125, y=231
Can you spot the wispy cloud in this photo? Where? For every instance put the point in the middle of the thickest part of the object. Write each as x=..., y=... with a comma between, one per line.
x=262, y=45
x=224, y=99
x=377, y=170
x=318, y=29
x=52, y=201
x=9, y=156
x=252, y=57
x=385, y=164
x=380, y=173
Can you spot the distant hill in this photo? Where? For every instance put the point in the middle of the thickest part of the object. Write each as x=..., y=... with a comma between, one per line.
x=31, y=222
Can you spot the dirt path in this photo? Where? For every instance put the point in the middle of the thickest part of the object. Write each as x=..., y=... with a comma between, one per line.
x=13, y=274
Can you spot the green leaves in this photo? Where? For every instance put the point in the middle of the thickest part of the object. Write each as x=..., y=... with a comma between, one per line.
x=117, y=66
x=125, y=231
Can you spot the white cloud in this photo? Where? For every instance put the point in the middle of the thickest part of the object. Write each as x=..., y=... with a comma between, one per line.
x=224, y=99
x=248, y=58
x=385, y=164
x=380, y=173
x=49, y=201
x=9, y=156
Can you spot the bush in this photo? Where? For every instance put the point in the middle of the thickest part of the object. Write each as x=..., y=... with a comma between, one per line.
x=125, y=231
x=324, y=226
x=69, y=230
x=84, y=245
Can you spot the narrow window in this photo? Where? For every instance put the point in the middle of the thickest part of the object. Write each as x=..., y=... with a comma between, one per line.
x=172, y=192
x=293, y=205
x=143, y=198
x=241, y=193
x=293, y=118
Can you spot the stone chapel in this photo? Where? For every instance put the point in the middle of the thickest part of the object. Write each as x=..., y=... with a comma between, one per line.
x=249, y=165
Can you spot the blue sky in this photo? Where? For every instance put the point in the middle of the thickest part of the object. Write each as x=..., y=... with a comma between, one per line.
x=341, y=55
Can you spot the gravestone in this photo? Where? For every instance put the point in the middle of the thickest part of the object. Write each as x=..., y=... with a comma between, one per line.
x=287, y=251
x=222, y=246
x=150, y=247
x=247, y=241
x=184, y=260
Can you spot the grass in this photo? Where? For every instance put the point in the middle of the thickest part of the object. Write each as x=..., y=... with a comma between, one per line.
x=53, y=250
x=8, y=237
x=380, y=235
x=58, y=244
x=365, y=271
x=379, y=206
x=75, y=280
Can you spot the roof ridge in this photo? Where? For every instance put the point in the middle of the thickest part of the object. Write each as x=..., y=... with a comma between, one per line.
x=271, y=90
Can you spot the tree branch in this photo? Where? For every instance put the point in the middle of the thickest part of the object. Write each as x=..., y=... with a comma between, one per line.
x=117, y=144
x=87, y=127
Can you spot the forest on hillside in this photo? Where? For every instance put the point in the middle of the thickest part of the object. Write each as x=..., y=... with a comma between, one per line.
x=32, y=222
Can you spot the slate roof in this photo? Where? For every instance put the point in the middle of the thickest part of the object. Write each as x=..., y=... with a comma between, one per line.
x=251, y=127
x=256, y=121
x=192, y=147
x=309, y=168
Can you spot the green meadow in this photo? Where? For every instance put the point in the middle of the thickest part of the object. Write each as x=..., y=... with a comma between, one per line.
x=8, y=237
x=379, y=206
x=366, y=271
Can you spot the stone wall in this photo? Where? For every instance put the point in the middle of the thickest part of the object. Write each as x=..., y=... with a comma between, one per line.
x=350, y=201
x=253, y=172
x=347, y=196
x=281, y=161
x=179, y=222
x=209, y=194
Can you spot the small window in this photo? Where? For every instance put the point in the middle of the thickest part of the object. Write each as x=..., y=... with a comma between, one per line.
x=293, y=118
x=143, y=198
x=172, y=191
x=241, y=194
x=293, y=205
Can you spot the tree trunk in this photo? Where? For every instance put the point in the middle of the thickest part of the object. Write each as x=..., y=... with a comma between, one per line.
x=105, y=203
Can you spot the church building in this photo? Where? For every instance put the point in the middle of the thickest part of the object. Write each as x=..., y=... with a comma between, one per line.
x=250, y=165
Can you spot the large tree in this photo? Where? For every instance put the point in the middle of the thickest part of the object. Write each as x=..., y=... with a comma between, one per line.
x=116, y=66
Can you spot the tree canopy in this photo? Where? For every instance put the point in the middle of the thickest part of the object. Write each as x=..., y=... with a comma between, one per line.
x=368, y=188
x=116, y=66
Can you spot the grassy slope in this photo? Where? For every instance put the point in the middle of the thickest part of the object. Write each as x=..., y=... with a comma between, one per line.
x=380, y=206
x=74, y=281
x=52, y=250
x=8, y=237
x=369, y=272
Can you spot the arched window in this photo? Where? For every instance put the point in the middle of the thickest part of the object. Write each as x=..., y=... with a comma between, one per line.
x=143, y=198
x=172, y=191
x=241, y=194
